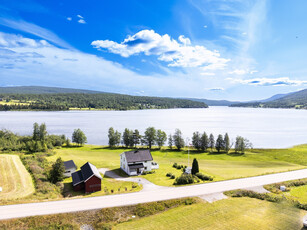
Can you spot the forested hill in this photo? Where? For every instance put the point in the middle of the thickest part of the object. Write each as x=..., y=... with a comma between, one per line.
x=42, y=90
x=46, y=99
x=296, y=100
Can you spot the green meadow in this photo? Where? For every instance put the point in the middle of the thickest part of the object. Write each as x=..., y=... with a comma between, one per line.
x=232, y=213
x=219, y=165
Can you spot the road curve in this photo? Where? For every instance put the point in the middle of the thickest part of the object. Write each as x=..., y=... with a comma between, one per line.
x=83, y=204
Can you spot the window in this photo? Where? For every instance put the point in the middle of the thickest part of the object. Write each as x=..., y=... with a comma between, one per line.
x=145, y=168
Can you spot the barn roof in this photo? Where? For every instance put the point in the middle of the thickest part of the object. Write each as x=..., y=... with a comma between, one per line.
x=69, y=164
x=87, y=171
x=138, y=156
x=77, y=178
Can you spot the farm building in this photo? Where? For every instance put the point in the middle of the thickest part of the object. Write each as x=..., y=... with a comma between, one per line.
x=88, y=178
x=136, y=162
x=70, y=168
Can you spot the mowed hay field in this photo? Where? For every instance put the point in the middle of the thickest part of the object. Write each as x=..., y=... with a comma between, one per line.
x=232, y=213
x=220, y=166
x=15, y=180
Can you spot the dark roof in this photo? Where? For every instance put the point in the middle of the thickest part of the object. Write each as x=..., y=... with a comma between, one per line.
x=69, y=164
x=77, y=178
x=136, y=166
x=88, y=170
x=138, y=155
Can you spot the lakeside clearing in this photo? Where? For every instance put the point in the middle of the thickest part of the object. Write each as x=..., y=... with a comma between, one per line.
x=221, y=166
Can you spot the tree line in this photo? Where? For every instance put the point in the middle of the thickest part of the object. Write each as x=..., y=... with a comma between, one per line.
x=157, y=137
x=39, y=141
x=107, y=101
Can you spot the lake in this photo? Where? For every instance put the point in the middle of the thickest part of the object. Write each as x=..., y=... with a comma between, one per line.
x=265, y=128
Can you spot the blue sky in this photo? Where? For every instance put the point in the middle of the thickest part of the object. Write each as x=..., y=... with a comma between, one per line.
x=235, y=49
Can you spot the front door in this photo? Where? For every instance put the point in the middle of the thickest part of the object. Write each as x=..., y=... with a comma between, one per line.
x=138, y=171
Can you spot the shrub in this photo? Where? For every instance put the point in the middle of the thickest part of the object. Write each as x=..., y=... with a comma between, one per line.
x=184, y=179
x=172, y=176
x=252, y=194
x=203, y=177
x=169, y=174
x=175, y=165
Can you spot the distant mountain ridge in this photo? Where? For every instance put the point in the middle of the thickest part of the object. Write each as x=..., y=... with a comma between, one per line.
x=214, y=102
x=296, y=100
x=43, y=90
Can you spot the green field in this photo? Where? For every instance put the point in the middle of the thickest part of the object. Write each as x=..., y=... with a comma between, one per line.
x=232, y=213
x=298, y=193
x=220, y=166
x=15, y=180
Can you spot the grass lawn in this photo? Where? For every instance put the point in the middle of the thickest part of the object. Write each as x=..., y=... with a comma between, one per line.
x=108, y=187
x=15, y=180
x=232, y=213
x=298, y=193
x=220, y=166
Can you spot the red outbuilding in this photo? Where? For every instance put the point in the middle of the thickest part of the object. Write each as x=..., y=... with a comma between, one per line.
x=88, y=178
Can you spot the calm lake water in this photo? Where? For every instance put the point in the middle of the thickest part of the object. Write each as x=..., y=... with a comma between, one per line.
x=265, y=128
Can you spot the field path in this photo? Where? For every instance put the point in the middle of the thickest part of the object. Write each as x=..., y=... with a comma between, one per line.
x=15, y=180
x=74, y=205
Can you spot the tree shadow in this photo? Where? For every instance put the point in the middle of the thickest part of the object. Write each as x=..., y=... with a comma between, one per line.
x=234, y=154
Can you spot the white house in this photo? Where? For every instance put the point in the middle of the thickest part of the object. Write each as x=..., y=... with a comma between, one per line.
x=70, y=168
x=136, y=162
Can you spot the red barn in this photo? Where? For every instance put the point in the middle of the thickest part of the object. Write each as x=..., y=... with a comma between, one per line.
x=88, y=178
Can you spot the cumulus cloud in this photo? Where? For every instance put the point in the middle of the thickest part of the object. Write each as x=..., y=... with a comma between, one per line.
x=177, y=53
x=36, y=62
x=82, y=21
x=283, y=81
x=69, y=18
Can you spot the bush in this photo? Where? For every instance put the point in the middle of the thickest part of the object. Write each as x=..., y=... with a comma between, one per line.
x=175, y=165
x=184, y=179
x=275, y=188
x=204, y=177
x=252, y=194
x=169, y=174
x=172, y=176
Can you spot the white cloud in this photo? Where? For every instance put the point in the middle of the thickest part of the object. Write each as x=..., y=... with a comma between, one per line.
x=217, y=89
x=205, y=26
x=283, y=81
x=34, y=30
x=82, y=21
x=242, y=71
x=79, y=16
x=69, y=18
x=177, y=53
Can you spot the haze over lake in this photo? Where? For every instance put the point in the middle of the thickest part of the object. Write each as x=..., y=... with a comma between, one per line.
x=265, y=128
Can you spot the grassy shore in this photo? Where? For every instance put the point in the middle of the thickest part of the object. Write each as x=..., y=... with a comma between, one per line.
x=221, y=166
